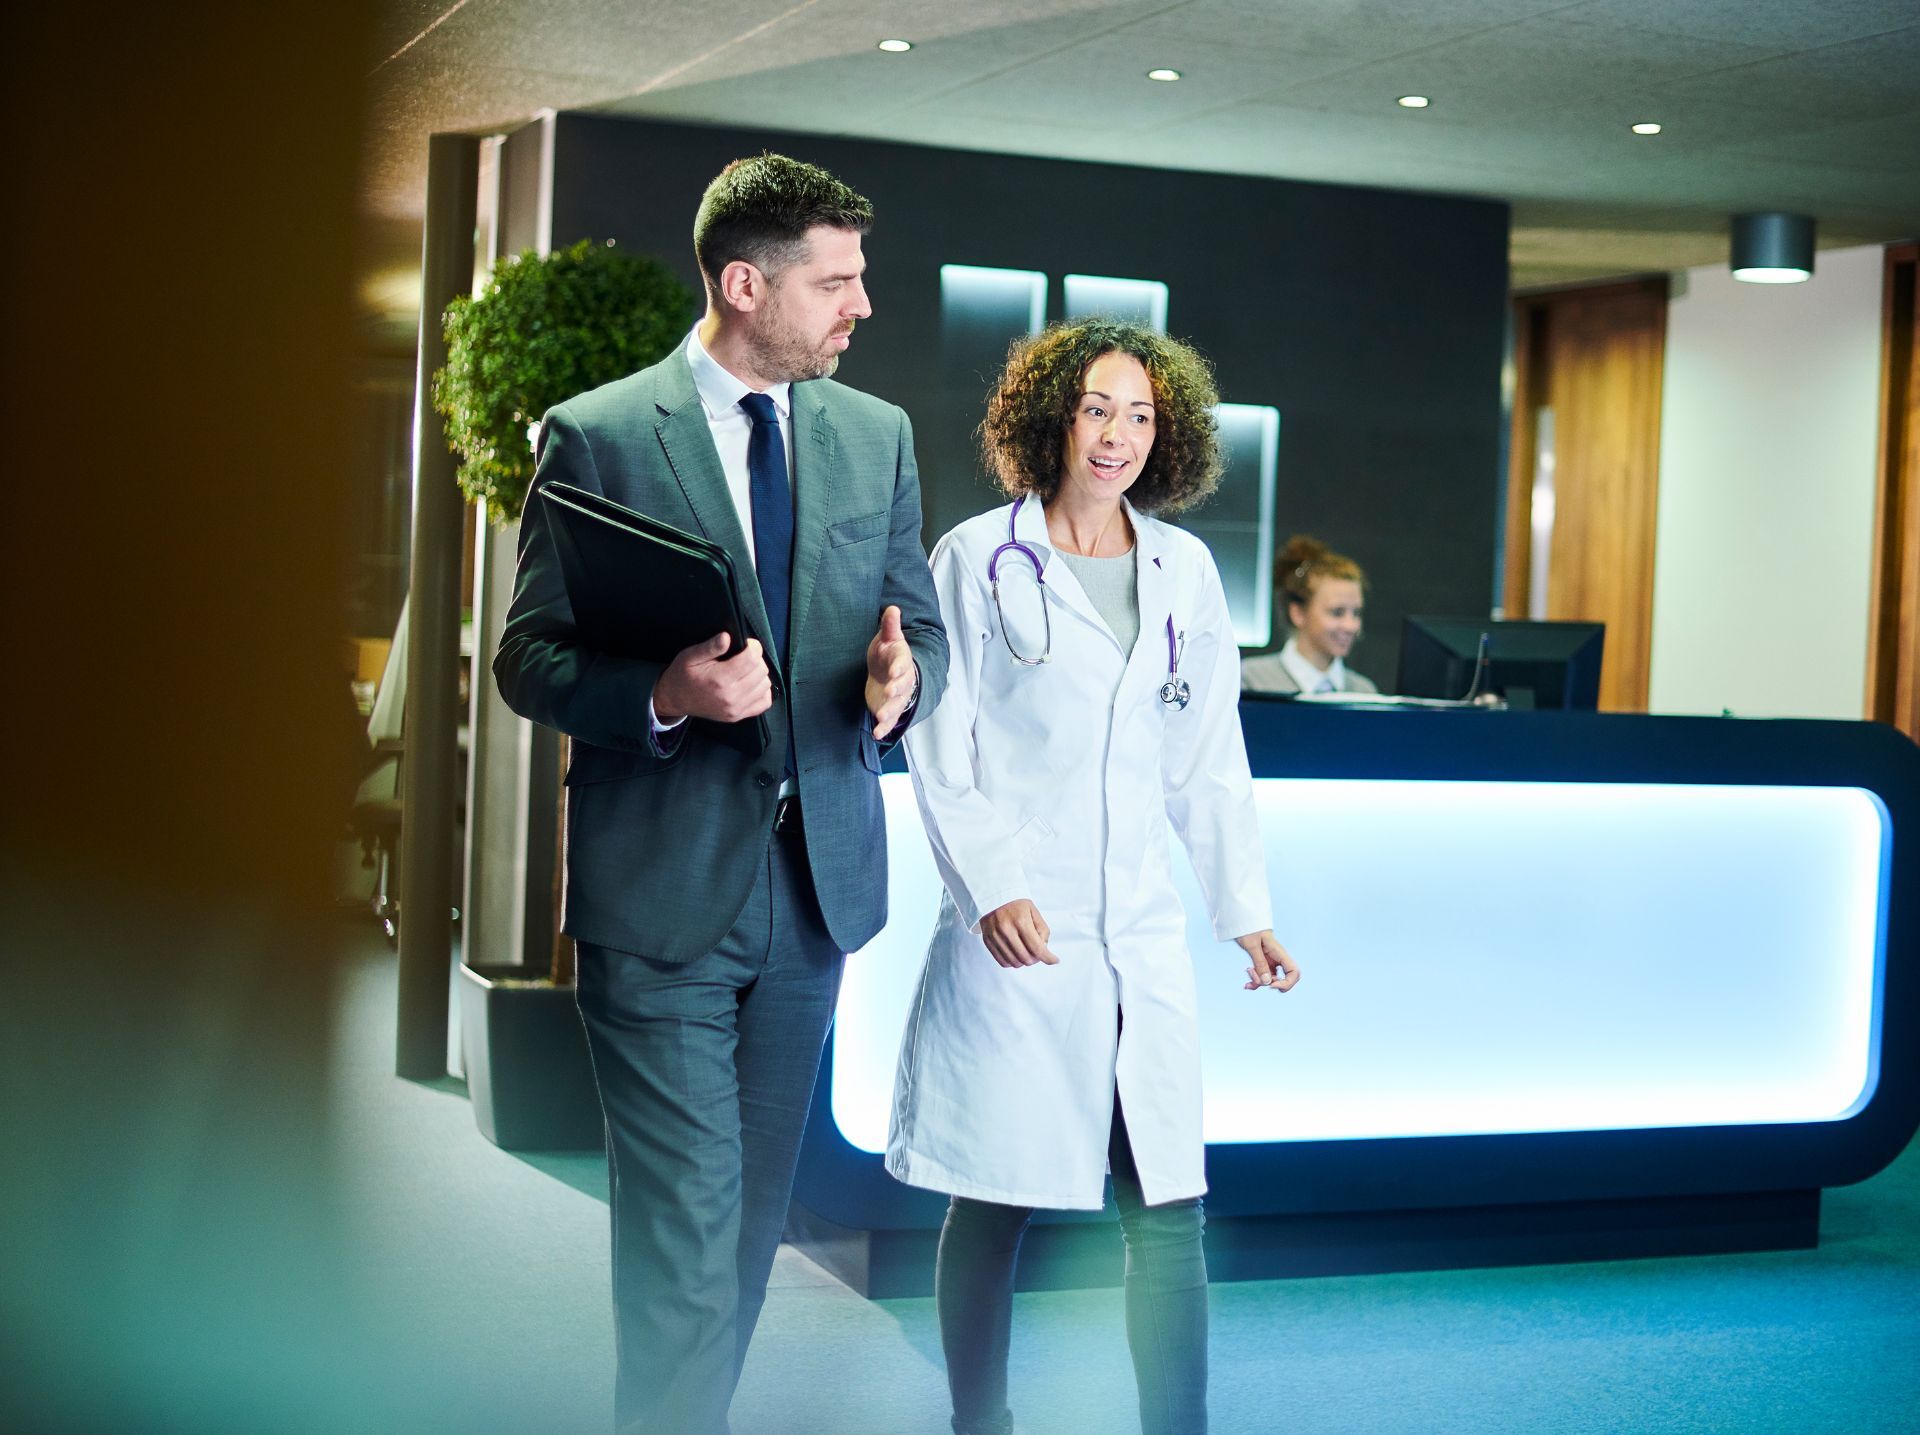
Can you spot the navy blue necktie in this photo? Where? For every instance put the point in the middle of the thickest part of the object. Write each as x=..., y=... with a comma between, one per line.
x=772, y=502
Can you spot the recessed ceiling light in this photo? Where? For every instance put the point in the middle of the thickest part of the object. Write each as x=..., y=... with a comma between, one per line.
x=896, y=47
x=1413, y=102
x=1168, y=75
x=1647, y=128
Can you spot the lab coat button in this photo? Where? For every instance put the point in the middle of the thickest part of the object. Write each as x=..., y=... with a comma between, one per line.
x=763, y=779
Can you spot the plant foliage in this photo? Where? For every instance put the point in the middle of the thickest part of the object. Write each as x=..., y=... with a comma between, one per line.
x=542, y=331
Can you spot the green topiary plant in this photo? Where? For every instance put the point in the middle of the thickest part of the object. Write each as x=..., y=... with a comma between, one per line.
x=542, y=331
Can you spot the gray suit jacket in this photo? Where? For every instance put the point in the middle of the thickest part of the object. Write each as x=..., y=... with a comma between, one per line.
x=1265, y=673
x=662, y=852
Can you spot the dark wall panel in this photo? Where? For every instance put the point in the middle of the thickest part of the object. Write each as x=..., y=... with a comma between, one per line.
x=522, y=177
x=1373, y=320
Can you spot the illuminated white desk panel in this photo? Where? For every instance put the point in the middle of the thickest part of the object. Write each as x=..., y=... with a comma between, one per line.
x=1485, y=958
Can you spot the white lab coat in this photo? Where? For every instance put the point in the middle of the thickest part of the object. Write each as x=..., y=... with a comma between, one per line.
x=1061, y=783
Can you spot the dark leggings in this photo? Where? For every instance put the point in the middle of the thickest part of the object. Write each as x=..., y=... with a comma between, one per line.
x=1166, y=1296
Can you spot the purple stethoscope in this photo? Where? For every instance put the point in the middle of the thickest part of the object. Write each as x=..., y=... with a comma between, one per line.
x=1174, y=692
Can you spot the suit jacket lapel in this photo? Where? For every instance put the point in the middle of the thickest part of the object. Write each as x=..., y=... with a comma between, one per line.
x=814, y=444
x=687, y=442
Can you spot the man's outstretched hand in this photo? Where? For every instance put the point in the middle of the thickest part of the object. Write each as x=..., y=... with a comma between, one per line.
x=890, y=673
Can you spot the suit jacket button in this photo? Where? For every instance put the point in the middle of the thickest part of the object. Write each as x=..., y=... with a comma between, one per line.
x=762, y=779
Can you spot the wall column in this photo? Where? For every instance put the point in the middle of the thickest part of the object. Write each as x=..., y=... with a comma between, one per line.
x=430, y=764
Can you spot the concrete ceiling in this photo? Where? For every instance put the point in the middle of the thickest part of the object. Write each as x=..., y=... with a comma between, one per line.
x=1808, y=105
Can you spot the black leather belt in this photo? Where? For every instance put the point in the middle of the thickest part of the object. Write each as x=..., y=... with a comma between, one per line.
x=786, y=816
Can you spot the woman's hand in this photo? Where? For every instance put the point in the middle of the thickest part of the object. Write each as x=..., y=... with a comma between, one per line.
x=1272, y=967
x=1016, y=935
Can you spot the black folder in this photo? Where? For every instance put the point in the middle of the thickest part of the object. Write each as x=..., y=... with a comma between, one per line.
x=641, y=588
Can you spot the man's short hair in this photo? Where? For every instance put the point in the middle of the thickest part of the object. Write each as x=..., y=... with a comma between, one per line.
x=760, y=210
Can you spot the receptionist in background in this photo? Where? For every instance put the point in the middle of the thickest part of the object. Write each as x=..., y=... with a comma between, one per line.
x=1325, y=601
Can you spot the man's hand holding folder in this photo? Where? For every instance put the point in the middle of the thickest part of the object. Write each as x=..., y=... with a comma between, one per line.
x=702, y=681
x=638, y=587
x=641, y=588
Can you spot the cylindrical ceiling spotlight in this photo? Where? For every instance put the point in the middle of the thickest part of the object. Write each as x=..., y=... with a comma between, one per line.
x=1772, y=248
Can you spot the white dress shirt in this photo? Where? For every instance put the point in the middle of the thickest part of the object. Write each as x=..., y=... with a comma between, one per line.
x=720, y=395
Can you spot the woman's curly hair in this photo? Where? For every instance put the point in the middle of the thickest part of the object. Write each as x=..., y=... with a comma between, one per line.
x=1024, y=434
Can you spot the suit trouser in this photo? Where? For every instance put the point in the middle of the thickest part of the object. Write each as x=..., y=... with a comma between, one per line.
x=705, y=1070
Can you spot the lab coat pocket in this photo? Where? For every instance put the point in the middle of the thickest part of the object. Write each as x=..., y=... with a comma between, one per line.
x=1032, y=833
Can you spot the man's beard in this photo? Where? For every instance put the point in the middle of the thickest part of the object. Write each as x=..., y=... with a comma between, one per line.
x=787, y=356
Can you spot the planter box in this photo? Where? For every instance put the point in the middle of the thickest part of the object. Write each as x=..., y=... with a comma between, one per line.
x=528, y=1072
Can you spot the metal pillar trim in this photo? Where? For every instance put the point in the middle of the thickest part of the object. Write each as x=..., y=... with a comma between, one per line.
x=493, y=915
x=430, y=766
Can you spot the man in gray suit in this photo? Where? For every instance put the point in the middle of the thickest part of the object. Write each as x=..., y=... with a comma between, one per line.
x=711, y=894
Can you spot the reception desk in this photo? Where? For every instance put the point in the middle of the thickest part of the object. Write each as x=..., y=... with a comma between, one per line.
x=1576, y=986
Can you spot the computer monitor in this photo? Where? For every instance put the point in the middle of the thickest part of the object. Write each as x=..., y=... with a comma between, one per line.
x=1531, y=665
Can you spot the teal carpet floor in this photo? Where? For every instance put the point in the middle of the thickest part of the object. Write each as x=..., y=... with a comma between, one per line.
x=488, y=1275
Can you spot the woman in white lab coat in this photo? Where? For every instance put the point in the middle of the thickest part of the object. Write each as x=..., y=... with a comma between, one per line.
x=1091, y=712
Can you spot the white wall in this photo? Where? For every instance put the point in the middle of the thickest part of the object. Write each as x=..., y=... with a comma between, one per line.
x=1764, y=552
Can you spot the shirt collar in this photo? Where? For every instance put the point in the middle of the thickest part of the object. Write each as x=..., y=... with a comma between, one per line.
x=720, y=391
x=1030, y=528
x=1310, y=678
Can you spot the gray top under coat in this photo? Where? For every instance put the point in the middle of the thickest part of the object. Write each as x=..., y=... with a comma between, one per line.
x=1114, y=590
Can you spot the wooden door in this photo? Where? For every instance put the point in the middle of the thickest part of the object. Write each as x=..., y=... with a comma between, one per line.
x=1590, y=359
x=1893, y=653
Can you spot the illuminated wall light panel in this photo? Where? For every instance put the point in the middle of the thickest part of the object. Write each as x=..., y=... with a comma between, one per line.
x=1136, y=301
x=1236, y=524
x=982, y=311
x=971, y=294
x=1647, y=956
